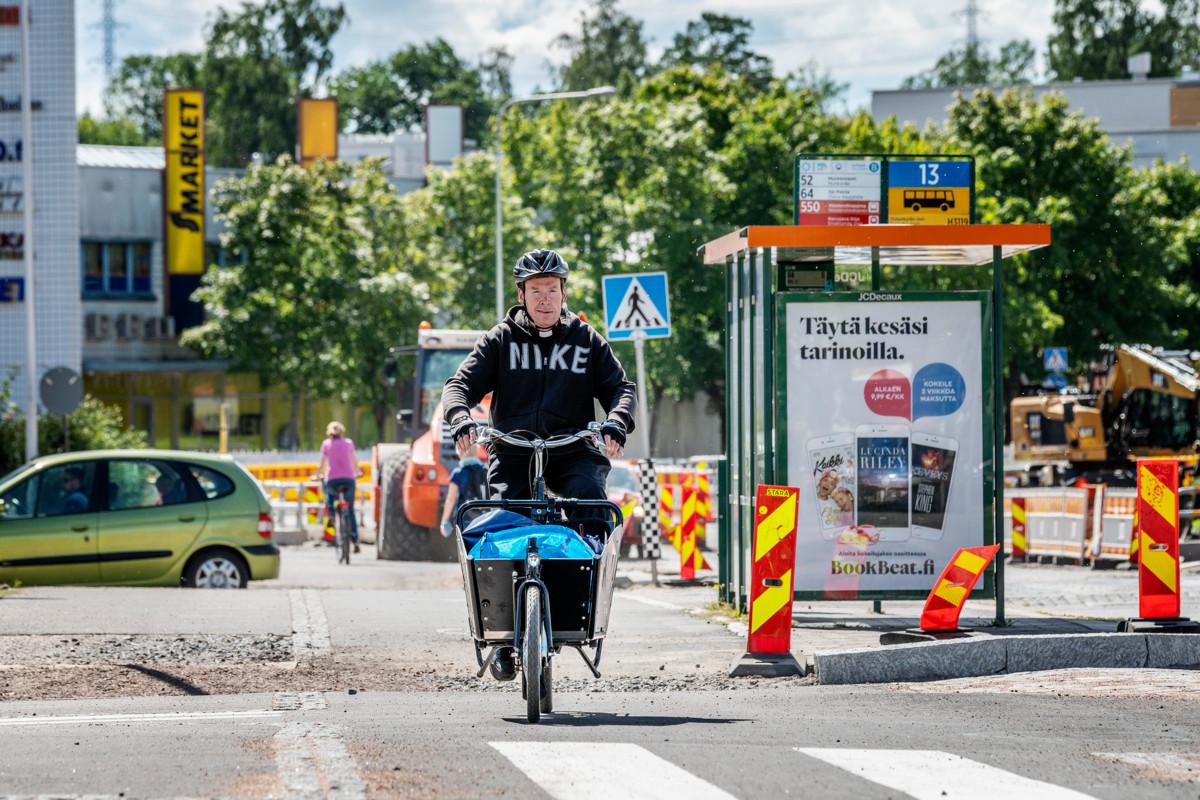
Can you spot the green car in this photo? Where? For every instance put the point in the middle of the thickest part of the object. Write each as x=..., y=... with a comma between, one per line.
x=135, y=518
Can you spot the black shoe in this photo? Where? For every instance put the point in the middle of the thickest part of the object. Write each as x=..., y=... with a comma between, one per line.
x=504, y=668
x=356, y=547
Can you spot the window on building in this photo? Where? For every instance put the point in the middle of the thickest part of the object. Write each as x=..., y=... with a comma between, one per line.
x=93, y=267
x=116, y=269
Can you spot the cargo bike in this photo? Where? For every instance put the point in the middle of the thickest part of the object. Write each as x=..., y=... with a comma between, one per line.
x=538, y=581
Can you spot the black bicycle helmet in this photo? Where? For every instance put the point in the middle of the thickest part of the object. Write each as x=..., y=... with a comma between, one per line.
x=539, y=264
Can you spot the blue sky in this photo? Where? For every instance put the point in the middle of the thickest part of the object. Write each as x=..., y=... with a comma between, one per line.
x=868, y=45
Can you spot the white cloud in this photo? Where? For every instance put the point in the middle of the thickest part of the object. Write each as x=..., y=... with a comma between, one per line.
x=868, y=45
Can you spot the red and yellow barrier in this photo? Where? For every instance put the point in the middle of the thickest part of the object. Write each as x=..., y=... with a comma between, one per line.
x=953, y=587
x=769, y=641
x=688, y=551
x=1157, y=534
x=1020, y=542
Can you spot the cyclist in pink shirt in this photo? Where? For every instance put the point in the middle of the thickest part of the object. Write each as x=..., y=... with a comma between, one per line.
x=339, y=470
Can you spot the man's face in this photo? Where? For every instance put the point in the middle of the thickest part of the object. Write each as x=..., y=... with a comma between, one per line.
x=543, y=299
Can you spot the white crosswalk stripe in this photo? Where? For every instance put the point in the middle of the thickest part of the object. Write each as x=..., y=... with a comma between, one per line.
x=935, y=775
x=605, y=771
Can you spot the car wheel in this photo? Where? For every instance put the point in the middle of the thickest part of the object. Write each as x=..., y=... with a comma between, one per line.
x=216, y=569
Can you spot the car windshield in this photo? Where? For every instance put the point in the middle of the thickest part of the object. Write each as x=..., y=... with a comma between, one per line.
x=621, y=479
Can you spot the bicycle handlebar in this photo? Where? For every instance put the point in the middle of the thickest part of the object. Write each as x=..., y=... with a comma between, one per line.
x=488, y=434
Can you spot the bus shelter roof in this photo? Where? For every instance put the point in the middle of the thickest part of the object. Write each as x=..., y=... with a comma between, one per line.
x=905, y=245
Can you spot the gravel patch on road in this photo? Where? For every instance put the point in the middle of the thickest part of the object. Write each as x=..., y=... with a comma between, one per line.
x=113, y=680
x=214, y=649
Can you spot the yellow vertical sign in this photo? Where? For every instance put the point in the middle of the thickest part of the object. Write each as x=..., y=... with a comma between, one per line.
x=183, y=201
x=317, y=130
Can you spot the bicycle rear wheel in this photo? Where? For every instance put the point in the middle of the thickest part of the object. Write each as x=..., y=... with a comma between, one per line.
x=531, y=653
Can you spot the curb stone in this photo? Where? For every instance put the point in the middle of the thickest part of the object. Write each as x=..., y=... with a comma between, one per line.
x=992, y=655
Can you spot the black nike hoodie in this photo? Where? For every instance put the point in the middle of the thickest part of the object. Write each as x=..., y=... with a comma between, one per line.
x=541, y=384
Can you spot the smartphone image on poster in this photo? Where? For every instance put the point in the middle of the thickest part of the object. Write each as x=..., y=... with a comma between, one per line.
x=932, y=471
x=883, y=480
x=835, y=481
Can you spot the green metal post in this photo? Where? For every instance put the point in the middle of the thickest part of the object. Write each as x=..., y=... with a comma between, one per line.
x=998, y=434
x=875, y=269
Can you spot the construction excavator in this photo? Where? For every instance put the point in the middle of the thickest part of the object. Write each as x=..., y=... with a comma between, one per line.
x=412, y=475
x=1140, y=402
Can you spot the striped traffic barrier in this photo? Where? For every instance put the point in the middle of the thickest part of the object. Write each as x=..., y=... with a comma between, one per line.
x=945, y=601
x=768, y=642
x=1158, y=545
x=666, y=515
x=687, y=535
x=944, y=604
x=1020, y=543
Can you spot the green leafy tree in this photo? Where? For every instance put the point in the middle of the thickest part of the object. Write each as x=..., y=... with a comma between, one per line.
x=391, y=95
x=450, y=241
x=258, y=60
x=135, y=92
x=325, y=288
x=720, y=39
x=270, y=313
x=1093, y=39
x=100, y=130
x=608, y=50
x=93, y=426
x=973, y=65
x=1107, y=277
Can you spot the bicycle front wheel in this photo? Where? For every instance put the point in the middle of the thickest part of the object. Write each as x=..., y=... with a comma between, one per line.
x=531, y=653
x=344, y=537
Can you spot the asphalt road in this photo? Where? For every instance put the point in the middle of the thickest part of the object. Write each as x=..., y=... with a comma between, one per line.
x=179, y=694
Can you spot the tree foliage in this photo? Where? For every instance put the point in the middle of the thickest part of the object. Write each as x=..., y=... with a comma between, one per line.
x=93, y=426
x=608, y=50
x=717, y=39
x=256, y=61
x=135, y=92
x=390, y=95
x=101, y=130
x=1093, y=39
x=973, y=65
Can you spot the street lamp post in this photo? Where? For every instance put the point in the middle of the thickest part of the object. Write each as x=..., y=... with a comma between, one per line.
x=597, y=91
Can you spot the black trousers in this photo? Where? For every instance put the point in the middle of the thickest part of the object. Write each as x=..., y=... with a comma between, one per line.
x=576, y=472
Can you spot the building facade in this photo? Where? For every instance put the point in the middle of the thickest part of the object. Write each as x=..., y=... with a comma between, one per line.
x=1159, y=118
x=55, y=194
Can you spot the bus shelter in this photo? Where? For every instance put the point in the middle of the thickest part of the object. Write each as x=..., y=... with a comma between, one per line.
x=883, y=404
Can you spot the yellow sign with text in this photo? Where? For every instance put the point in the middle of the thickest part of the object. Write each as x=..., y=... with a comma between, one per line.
x=929, y=206
x=183, y=202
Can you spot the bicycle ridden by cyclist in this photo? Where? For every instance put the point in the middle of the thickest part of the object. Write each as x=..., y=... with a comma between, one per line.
x=339, y=471
x=545, y=368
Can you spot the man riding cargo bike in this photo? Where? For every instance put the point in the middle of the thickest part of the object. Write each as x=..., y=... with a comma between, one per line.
x=544, y=368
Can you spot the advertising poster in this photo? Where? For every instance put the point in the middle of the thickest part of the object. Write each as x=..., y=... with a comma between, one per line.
x=885, y=436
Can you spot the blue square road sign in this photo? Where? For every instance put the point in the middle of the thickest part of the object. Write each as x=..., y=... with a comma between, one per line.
x=636, y=302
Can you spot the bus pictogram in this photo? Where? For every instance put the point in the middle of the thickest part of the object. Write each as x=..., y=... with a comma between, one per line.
x=920, y=199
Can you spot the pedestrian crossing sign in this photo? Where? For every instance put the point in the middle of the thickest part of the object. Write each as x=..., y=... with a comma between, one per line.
x=1055, y=359
x=636, y=303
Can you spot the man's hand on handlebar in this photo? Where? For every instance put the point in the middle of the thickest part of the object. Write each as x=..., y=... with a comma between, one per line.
x=464, y=432
x=615, y=449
